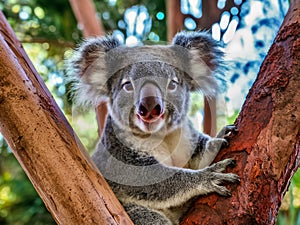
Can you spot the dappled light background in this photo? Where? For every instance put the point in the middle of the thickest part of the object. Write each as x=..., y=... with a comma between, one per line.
x=49, y=32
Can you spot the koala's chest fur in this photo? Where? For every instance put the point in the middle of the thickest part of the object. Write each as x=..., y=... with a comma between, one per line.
x=172, y=149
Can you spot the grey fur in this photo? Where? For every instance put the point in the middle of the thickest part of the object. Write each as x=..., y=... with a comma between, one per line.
x=150, y=154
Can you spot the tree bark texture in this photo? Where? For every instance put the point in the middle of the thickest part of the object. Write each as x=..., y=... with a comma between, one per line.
x=46, y=146
x=267, y=145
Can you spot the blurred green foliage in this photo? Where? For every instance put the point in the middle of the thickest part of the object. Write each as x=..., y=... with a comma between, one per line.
x=19, y=202
x=289, y=213
x=49, y=32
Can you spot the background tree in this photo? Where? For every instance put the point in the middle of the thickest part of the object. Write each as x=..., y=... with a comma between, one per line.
x=47, y=147
x=267, y=152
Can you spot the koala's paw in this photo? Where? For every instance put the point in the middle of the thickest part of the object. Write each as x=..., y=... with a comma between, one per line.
x=215, y=144
x=226, y=131
x=215, y=178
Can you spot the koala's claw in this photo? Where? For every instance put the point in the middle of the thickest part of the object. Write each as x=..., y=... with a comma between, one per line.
x=223, y=191
x=232, y=163
x=226, y=131
x=221, y=178
x=215, y=144
x=221, y=166
x=225, y=142
x=218, y=178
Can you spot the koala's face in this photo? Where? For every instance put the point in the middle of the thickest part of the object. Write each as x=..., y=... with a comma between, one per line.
x=149, y=96
x=147, y=87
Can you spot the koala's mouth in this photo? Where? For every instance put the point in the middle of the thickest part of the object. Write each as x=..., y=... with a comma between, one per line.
x=150, y=110
x=150, y=119
x=150, y=123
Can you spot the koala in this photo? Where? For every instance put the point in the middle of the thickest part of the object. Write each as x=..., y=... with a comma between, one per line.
x=151, y=155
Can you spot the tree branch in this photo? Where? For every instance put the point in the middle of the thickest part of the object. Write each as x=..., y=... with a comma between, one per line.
x=267, y=146
x=46, y=146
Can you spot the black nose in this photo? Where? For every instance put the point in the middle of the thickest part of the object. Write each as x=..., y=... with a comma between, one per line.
x=150, y=107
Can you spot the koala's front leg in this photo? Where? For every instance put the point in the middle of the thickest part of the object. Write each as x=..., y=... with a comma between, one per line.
x=226, y=131
x=179, y=185
x=215, y=178
x=206, y=152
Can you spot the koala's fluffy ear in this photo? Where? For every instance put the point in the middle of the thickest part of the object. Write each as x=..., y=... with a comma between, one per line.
x=205, y=60
x=87, y=72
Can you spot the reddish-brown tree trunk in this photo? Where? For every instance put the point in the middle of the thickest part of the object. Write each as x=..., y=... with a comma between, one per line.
x=47, y=147
x=267, y=146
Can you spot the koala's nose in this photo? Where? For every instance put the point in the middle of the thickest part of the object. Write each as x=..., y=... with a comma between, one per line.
x=150, y=104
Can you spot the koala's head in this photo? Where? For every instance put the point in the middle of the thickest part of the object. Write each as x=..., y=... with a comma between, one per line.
x=147, y=87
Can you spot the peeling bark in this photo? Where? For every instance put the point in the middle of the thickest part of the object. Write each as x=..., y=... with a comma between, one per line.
x=267, y=146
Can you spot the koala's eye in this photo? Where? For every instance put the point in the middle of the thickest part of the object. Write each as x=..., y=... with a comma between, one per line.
x=127, y=86
x=172, y=86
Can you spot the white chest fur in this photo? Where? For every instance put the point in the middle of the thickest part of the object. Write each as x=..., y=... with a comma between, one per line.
x=172, y=149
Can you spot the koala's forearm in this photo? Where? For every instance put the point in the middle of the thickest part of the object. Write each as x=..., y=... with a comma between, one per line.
x=168, y=187
x=147, y=181
x=200, y=152
x=207, y=148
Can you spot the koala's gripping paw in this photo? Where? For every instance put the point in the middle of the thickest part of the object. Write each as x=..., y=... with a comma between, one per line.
x=220, y=139
x=214, y=177
x=226, y=131
x=215, y=144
